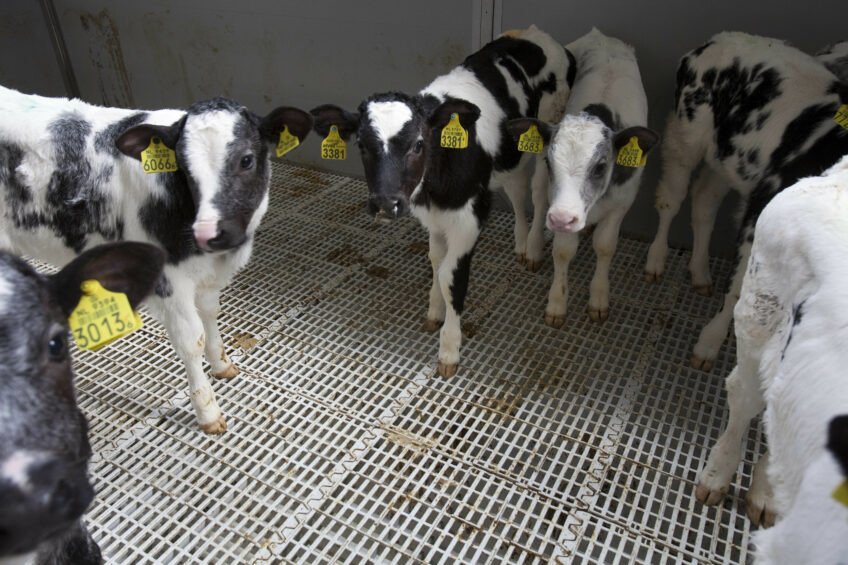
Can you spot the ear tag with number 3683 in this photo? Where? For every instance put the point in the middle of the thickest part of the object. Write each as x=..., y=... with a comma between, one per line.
x=631, y=154
x=333, y=147
x=531, y=140
x=101, y=317
x=158, y=157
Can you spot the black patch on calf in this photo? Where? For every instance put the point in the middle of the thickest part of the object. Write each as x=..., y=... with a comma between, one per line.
x=797, y=314
x=459, y=285
x=164, y=288
x=837, y=441
x=572, y=68
x=104, y=140
x=169, y=219
x=603, y=113
x=16, y=192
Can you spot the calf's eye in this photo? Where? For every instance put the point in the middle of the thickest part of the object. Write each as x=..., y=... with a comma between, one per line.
x=57, y=347
x=246, y=161
x=419, y=145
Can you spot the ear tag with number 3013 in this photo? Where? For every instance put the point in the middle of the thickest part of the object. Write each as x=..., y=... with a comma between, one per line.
x=841, y=116
x=101, y=317
x=287, y=142
x=454, y=135
x=531, y=140
x=158, y=157
x=333, y=147
x=631, y=154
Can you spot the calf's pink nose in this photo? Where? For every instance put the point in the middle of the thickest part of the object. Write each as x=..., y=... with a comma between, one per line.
x=559, y=220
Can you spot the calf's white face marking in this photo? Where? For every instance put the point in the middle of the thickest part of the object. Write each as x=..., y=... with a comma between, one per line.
x=581, y=163
x=387, y=119
x=206, y=153
x=14, y=469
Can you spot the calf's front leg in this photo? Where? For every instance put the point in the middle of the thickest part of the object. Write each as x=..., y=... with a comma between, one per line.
x=208, y=306
x=564, y=249
x=436, y=308
x=605, y=241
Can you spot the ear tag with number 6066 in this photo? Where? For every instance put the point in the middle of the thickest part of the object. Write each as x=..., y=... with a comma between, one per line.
x=531, y=140
x=102, y=316
x=841, y=116
x=287, y=142
x=333, y=147
x=158, y=157
x=631, y=154
x=454, y=135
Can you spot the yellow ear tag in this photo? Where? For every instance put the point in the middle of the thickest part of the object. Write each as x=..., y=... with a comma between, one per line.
x=841, y=493
x=631, y=155
x=287, y=142
x=101, y=316
x=158, y=157
x=841, y=116
x=333, y=147
x=454, y=135
x=531, y=141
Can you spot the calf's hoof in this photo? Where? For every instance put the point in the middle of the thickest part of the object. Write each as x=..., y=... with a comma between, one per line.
x=702, y=364
x=432, y=325
x=554, y=321
x=705, y=495
x=228, y=373
x=446, y=370
x=217, y=427
x=655, y=278
x=759, y=512
x=533, y=265
x=598, y=315
x=705, y=289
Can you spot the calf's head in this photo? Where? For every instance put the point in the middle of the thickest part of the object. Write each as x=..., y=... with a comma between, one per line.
x=398, y=136
x=581, y=154
x=223, y=151
x=44, y=448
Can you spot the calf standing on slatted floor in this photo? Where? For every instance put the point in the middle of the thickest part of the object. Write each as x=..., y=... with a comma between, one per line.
x=791, y=325
x=605, y=113
x=760, y=115
x=44, y=448
x=71, y=176
x=410, y=165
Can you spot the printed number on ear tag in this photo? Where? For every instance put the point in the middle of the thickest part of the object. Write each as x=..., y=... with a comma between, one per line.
x=287, y=142
x=530, y=141
x=333, y=147
x=454, y=135
x=631, y=155
x=841, y=116
x=158, y=157
x=101, y=317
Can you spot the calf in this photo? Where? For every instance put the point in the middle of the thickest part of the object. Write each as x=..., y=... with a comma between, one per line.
x=760, y=115
x=606, y=109
x=523, y=73
x=791, y=327
x=71, y=176
x=44, y=447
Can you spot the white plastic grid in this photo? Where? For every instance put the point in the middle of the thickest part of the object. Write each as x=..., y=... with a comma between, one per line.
x=573, y=445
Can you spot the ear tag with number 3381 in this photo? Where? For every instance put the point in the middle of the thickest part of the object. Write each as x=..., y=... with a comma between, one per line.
x=158, y=157
x=333, y=147
x=101, y=317
x=454, y=135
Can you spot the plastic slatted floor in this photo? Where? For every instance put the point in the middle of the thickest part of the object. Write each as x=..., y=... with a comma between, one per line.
x=577, y=445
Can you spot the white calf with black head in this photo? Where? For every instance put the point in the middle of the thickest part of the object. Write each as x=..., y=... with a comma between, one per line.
x=606, y=110
x=523, y=73
x=759, y=115
x=71, y=176
x=44, y=448
x=791, y=324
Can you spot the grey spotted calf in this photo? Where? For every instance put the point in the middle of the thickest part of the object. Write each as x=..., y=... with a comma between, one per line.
x=71, y=176
x=44, y=449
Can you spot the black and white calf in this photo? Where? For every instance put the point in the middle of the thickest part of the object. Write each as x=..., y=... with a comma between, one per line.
x=71, y=177
x=607, y=107
x=791, y=326
x=520, y=74
x=760, y=115
x=44, y=449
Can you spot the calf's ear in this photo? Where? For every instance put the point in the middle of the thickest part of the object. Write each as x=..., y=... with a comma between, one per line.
x=328, y=115
x=520, y=125
x=441, y=115
x=136, y=139
x=298, y=122
x=130, y=267
x=647, y=138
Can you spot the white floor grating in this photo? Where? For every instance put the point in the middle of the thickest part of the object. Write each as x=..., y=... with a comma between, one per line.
x=577, y=445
